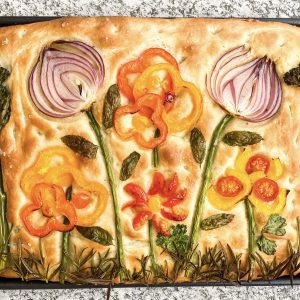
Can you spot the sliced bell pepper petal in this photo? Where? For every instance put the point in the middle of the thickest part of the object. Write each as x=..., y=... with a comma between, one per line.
x=58, y=206
x=153, y=102
x=146, y=57
x=81, y=199
x=134, y=204
x=175, y=200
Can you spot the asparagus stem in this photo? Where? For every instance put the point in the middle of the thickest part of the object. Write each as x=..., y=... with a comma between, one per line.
x=251, y=233
x=155, y=151
x=206, y=178
x=4, y=231
x=65, y=245
x=153, y=258
x=107, y=159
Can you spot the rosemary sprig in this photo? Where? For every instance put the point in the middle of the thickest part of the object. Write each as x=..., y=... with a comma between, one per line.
x=65, y=245
x=107, y=159
x=251, y=235
x=206, y=178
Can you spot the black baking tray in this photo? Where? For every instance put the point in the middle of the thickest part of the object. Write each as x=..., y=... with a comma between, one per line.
x=12, y=284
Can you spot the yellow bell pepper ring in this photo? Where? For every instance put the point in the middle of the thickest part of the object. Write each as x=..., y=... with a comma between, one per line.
x=150, y=82
x=85, y=216
x=222, y=202
x=273, y=207
x=46, y=159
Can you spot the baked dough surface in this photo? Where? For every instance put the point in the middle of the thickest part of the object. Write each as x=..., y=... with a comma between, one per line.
x=196, y=44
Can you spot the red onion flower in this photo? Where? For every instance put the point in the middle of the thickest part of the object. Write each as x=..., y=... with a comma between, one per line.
x=247, y=88
x=66, y=78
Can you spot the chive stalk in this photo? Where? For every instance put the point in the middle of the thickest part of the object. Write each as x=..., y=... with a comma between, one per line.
x=155, y=150
x=206, y=178
x=65, y=245
x=108, y=165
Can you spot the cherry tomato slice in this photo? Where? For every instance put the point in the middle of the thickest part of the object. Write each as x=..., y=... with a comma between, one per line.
x=81, y=199
x=176, y=199
x=175, y=214
x=229, y=186
x=140, y=219
x=158, y=183
x=170, y=186
x=161, y=225
x=136, y=191
x=266, y=189
x=258, y=162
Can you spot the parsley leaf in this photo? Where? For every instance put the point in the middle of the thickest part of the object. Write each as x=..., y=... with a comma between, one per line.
x=265, y=245
x=274, y=226
x=176, y=242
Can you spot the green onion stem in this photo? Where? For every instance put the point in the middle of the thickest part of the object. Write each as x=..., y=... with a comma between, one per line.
x=65, y=244
x=155, y=150
x=206, y=178
x=107, y=159
x=251, y=233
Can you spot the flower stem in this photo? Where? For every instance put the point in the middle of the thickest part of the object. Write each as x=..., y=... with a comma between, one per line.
x=206, y=178
x=152, y=245
x=107, y=159
x=251, y=233
x=4, y=231
x=155, y=150
x=65, y=245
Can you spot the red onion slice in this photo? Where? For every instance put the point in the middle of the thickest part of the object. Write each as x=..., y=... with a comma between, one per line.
x=55, y=79
x=245, y=87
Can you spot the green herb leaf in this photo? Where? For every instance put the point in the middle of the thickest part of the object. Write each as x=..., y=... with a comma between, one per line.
x=128, y=165
x=275, y=225
x=4, y=74
x=292, y=77
x=265, y=245
x=241, y=138
x=176, y=242
x=96, y=234
x=80, y=145
x=112, y=101
x=5, y=106
x=198, y=145
x=216, y=221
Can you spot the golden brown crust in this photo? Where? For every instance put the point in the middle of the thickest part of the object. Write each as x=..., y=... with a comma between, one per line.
x=196, y=44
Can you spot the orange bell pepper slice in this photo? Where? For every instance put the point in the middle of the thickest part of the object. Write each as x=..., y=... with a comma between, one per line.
x=172, y=102
x=153, y=102
x=50, y=199
x=138, y=66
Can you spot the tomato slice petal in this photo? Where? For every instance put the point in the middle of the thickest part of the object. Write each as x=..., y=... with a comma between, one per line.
x=158, y=183
x=136, y=191
x=266, y=189
x=140, y=219
x=258, y=162
x=170, y=186
x=229, y=186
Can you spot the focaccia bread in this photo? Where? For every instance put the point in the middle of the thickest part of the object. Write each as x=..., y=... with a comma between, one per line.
x=178, y=83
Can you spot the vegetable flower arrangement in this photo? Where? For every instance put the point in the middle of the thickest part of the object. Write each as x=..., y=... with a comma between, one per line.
x=156, y=98
x=248, y=89
x=65, y=81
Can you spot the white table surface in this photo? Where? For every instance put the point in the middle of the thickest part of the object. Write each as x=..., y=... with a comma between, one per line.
x=157, y=8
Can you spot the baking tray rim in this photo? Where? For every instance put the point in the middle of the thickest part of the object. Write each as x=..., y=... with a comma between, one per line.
x=16, y=284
